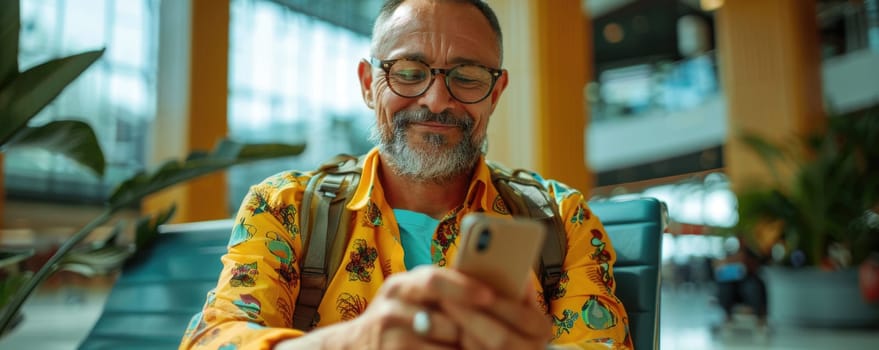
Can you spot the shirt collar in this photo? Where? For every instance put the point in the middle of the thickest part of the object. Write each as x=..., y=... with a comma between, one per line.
x=369, y=186
x=480, y=195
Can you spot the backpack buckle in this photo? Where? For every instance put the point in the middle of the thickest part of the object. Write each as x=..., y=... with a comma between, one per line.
x=313, y=277
x=330, y=186
x=553, y=272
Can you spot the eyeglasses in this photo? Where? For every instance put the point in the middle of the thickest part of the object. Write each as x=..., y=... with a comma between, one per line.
x=467, y=83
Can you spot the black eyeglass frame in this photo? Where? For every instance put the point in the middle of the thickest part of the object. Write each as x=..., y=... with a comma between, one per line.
x=385, y=65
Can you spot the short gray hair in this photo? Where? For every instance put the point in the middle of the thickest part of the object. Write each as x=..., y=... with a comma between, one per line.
x=379, y=28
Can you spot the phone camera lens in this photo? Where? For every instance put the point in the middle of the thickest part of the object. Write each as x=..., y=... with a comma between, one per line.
x=484, y=240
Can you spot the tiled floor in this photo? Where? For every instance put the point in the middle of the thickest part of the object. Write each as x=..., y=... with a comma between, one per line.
x=688, y=316
x=60, y=316
x=63, y=310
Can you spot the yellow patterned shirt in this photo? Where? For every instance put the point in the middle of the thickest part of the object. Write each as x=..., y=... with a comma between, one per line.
x=252, y=305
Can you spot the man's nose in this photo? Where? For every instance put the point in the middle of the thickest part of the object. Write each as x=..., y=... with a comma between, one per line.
x=437, y=98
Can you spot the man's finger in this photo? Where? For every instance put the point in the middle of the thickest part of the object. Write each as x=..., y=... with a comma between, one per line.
x=403, y=339
x=524, y=317
x=429, y=285
x=433, y=325
x=489, y=332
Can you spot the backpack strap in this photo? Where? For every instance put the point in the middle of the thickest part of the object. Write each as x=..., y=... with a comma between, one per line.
x=528, y=198
x=323, y=211
x=324, y=220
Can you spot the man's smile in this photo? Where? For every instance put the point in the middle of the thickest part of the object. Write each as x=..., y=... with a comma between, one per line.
x=435, y=126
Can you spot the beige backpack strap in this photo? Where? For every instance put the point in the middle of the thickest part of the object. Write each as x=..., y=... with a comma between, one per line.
x=528, y=198
x=324, y=222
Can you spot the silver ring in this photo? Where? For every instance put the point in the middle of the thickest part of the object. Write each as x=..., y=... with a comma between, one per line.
x=421, y=323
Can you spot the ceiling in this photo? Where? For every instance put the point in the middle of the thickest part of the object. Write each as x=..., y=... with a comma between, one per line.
x=600, y=7
x=356, y=15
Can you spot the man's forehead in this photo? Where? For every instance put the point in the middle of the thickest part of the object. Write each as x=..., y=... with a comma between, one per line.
x=430, y=15
x=456, y=28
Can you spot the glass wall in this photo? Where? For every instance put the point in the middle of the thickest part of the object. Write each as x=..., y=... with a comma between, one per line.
x=292, y=78
x=116, y=96
x=654, y=89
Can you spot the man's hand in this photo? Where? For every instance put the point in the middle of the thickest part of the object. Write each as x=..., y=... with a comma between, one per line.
x=388, y=321
x=506, y=324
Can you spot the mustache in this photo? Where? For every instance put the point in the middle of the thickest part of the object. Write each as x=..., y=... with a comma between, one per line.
x=402, y=119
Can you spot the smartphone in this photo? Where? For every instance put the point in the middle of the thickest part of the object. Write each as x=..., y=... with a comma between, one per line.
x=499, y=251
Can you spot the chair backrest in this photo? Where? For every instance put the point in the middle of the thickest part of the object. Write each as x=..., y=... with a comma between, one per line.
x=635, y=228
x=157, y=293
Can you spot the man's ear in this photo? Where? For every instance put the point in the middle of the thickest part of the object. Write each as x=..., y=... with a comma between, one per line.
x=498, y=90
x=364, y=71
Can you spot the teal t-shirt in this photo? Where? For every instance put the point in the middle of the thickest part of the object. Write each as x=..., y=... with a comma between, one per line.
x=416, y=232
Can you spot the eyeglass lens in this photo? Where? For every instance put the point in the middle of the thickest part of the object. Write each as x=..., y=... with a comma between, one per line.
x=467, y=83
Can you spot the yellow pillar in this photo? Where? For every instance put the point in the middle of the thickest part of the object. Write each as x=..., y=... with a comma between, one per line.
x=541, y=120
x=208, y=100
x=770, y=66
x=192, y=103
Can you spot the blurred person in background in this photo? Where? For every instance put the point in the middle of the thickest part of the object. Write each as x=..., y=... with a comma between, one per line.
x=739, y=283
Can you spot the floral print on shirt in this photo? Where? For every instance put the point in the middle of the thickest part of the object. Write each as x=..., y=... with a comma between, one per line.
x=446, y=235
x=253, y=304
x=362, y=261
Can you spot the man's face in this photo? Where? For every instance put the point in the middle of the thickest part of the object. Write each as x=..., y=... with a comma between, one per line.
x=432, y=137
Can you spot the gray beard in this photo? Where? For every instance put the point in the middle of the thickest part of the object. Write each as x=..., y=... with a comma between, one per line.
x=432, y=161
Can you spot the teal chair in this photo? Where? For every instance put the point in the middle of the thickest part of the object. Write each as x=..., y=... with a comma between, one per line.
x=159, y=290
x=635, y=228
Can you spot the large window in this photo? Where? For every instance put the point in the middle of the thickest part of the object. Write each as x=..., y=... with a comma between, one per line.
x=292, y=78
x=654, y=88
x=116, y=96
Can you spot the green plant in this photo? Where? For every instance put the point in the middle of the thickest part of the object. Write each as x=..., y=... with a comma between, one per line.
x=826, y=209
x=8, y=285
x=12, y=280
x=23, y=95
x=228, y=153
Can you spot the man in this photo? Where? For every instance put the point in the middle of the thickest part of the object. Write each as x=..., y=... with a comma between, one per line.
x=433, y=81
x=739, y=282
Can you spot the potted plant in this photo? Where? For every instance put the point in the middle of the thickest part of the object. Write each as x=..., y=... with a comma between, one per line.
x=22, y=96
x=820, y=221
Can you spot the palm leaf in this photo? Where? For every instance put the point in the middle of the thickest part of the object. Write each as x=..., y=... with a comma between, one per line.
x=147, y=228
x=771, y=154
x=10, y=21
x=29, y=92
x=71, y=138
x=834, y=183
x=227, y=153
